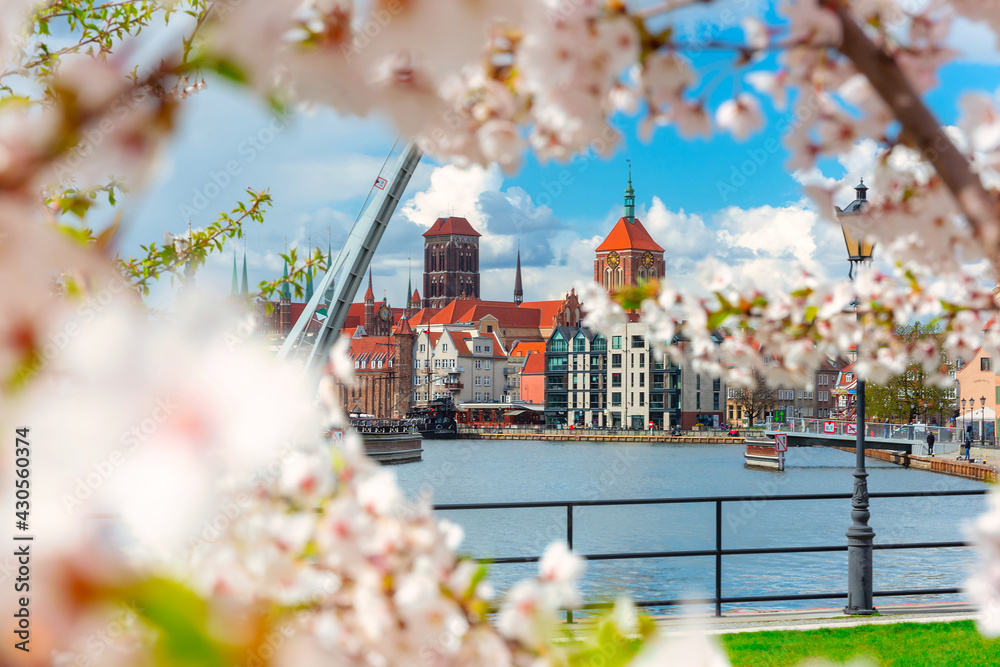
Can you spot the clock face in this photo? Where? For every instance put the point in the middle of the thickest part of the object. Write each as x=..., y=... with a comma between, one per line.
x=613, y=259
x=647, y=259
x=385, y=313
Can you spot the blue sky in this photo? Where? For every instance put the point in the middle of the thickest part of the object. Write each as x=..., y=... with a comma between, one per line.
x=319, y=167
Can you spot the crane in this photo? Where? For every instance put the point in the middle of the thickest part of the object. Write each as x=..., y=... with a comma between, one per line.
x=343, y=277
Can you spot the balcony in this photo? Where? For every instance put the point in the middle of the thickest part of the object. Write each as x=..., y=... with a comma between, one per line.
x=452, y=386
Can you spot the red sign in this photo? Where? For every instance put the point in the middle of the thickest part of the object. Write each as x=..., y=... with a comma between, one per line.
x=829, y=427
x=781, y=442
x=380, y=183
x=852, y=429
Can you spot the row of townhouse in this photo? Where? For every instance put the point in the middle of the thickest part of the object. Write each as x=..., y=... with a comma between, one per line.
x=619, y=381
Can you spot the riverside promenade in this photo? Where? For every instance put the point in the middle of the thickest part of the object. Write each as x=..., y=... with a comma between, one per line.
x=945, y=463
x=600, y=435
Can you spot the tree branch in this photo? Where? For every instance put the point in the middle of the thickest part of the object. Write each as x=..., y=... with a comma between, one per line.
x=923, y=131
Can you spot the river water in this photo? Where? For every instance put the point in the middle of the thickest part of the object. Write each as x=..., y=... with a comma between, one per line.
x=473, y=471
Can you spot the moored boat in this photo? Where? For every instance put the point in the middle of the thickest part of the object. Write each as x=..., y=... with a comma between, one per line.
x=763, y=455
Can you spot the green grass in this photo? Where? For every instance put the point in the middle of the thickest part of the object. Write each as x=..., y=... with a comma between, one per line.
x=897, y=644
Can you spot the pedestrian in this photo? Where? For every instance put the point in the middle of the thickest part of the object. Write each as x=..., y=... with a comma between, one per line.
x=968, y=444
x=930, y=443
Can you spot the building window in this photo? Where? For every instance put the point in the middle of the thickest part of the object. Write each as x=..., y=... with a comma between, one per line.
x=616, y=342
x=616, y=379
x=486, y=364
x=642, y=360
x=697, y=382
x=616, y=361
x=489, y=328
x=729, y=393
x=437, y=363
x=697, y=401
x=616, y=399
x=638, y=341
x=716, y=384
x=642, y=379
x=486, y=381
x=985, y=364
x=423, y=348
x=642, y=398
x=479, y=364
x=479, y=396
x=715, y=401
x=479, y=381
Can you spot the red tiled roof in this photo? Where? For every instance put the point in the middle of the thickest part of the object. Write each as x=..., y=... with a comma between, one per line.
x=535, y=364
x=451, y=225
x=472, y=310
x=372, y=348
x=548, y=310
x=629, y=236
x=416, y=297
x=423, y=316
x=522, y=348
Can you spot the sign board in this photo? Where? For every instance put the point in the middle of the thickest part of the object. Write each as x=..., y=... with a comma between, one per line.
x=829, y=427
x=779, y=416
x=337, y=436
x=380, y=183
x=715, y=421
x=781, y=442
x=852, y=429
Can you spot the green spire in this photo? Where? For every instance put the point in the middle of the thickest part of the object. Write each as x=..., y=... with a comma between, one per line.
x=286, y=290
x=236, y=285
x=309, y=284
x=630, y=196
x=245, y=290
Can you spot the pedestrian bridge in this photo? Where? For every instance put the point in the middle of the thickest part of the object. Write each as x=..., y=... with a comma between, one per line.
x=909, y=438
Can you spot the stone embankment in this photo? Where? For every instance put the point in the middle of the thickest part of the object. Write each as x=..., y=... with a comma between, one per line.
x=638, y=436
x=944, y=464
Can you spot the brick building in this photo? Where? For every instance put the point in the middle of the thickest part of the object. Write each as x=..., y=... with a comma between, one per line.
x=383, y=374
x=451, y=262
x=628, y=254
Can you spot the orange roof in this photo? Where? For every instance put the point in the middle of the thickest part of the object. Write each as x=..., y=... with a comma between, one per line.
x=423, y=316
x=372, y=349
x=549, y=310
x=535, y=364
x=472, y=310
x=451, y=225
x=467, y=337
x=629, y=236
x=522, y=348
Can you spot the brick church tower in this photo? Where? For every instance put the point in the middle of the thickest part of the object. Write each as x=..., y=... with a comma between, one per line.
x=628, y=254
x=451, y=262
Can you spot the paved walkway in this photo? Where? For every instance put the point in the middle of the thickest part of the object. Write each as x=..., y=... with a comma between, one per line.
x=812, y=619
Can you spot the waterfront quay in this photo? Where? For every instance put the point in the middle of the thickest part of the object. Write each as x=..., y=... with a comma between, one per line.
x=689, y=527
x=600, y=435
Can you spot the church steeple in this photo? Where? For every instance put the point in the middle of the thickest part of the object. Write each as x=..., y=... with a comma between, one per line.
x=245, y=290
x=630, y=197
x=236, y=285
x=369, y=321
x=286, y=289
x=309, y=276
x=518, y=291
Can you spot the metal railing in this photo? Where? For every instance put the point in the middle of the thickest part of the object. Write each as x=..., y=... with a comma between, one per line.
x=720, y=551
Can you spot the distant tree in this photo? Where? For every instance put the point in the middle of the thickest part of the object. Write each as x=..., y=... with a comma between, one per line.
x=755, y=401
x=908, y=395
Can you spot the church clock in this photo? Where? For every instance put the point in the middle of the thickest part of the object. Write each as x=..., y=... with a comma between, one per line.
x=614, y=259
x=385, y=313
x=647, y=259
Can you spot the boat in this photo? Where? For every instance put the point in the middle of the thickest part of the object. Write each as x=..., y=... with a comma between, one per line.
x=763, y=454
x=388, y=441
x=437, y=421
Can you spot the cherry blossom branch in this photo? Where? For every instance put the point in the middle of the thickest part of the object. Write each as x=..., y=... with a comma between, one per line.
x=922, y=130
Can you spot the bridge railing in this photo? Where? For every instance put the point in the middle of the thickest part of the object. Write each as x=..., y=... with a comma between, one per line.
x=720, y=551
x=948, y=439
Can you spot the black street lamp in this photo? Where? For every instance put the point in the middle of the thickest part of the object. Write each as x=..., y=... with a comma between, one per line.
x=982, y=421
x=860, y=536
x=963, y=418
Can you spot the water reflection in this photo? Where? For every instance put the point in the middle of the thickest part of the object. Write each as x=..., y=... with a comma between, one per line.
x=486, y=471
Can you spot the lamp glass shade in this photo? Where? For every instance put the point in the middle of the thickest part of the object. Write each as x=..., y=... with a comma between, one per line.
x=859, y=248
x=982, y=400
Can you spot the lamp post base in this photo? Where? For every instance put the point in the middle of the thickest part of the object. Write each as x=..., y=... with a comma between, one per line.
x=860, y=538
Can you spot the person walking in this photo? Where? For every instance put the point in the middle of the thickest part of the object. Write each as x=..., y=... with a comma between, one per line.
x=930, y=442
x=968, y=444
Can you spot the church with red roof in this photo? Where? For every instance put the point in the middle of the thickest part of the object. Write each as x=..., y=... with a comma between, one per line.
x=628, y=254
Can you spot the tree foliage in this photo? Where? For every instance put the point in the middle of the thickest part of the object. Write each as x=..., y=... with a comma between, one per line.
x=909, y=395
